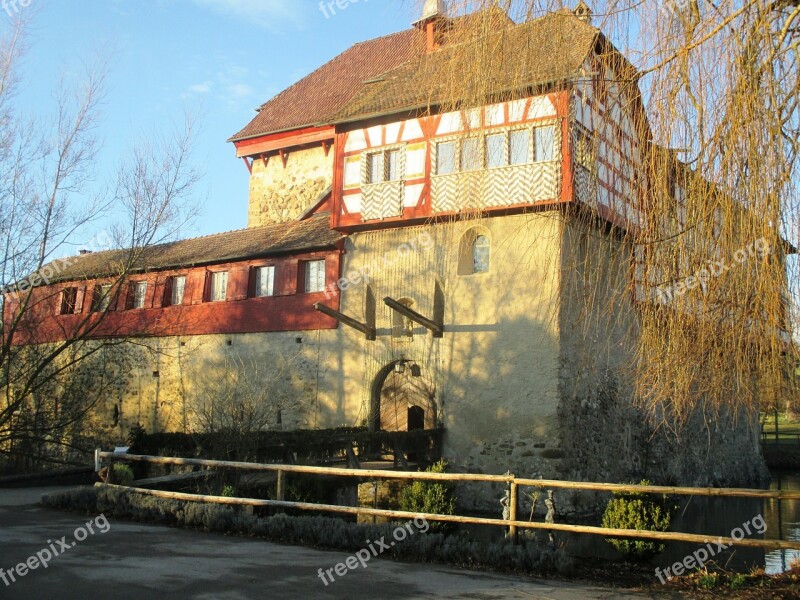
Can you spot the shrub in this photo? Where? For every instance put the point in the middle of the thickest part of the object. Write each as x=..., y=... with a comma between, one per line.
x=430, y=497
x=121, y=474
x=228, y=491
x=637, y=510
x=321, y=532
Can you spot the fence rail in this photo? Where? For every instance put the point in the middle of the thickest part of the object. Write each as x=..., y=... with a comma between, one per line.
x=513, y=524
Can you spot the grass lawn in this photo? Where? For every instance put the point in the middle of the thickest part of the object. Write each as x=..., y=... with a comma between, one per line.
x=787, y=430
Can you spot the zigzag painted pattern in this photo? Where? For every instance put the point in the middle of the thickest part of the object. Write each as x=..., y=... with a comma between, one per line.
x=584, y=186
x=545, y=180
x=382, y=200
x=500, y=187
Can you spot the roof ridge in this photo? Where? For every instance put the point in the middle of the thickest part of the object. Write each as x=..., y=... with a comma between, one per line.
x=380, y=37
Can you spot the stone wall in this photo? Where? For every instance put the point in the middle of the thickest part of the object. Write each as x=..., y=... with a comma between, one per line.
x=279, y=194
x=605, y=434
x=495, y=371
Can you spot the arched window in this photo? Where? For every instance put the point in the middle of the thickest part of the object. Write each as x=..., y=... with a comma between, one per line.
x=480, y=254
x=474, y=254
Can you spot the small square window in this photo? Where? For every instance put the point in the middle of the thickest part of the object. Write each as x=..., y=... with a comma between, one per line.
x=445, y=158
x=545, y=143
x=219, y=286
x=69, y=300
x=393, y=166
x=139, y=294
x=102, y=298
x=496, y=150
x=471, y=154
x=178, y=285
x=584, y=150
x=265, y=281
x=520, y=145
x=314, y=276
x=375, y=168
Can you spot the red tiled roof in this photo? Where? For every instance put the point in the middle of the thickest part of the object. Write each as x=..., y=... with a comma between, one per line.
x=510, y=60
x=322, y=93
x=312, y=234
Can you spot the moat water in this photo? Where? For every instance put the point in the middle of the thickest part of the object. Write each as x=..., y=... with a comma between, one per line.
x=708, y=516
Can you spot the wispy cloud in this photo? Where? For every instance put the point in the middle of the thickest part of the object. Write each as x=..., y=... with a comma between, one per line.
x=200, y=88
x=267, y=14
x=231, y=85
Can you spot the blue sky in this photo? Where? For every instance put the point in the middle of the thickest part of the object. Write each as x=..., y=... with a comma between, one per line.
x=221, y=58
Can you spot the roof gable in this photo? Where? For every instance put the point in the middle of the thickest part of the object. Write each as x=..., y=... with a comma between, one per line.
x=318, y=96
x=549, y=49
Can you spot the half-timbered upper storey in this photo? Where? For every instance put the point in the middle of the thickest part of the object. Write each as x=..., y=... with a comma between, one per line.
x=551, y=116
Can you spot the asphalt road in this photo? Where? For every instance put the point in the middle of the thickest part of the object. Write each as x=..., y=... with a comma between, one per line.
x=123, y=561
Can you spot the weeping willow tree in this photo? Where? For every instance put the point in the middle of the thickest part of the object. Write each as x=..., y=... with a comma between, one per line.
x=695, y=127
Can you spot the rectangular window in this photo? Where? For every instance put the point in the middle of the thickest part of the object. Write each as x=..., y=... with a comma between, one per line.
x=392, y=162
x=139, y=294
x=385, y=166
x=496, y=150
x=545, y=143
x=375, y=168
x=445, y=158
x=178, y=285
x=314, y=276
x=265, y=281
x=584, y=150
x=102, y=298
x=471, y=154
x=520, y=144
x=219, y=286
x=69, y=300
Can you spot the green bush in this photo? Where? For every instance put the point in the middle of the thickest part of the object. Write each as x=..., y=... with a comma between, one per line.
x=228, y=491
x=637, y=510
x=430, y=497
x=121, y=474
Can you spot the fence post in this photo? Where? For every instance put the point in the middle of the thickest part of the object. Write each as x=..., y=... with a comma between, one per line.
x=512, y=504
x=97, y=465
x=281, y=487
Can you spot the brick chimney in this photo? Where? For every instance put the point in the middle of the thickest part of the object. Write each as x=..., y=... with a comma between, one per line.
x=433, y=15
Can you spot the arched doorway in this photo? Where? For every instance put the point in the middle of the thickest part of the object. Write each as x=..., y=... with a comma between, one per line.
x=403, y=399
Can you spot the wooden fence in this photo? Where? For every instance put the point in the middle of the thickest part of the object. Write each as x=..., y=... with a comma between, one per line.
x=513, y=524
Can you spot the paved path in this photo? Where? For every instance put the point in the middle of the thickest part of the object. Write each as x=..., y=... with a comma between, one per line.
x=136, y=561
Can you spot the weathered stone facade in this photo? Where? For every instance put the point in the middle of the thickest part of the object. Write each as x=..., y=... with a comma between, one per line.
x=281, y=193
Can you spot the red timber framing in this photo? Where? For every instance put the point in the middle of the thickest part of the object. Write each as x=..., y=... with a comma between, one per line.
x=374, y=134
x=280, y=144
x=290, y=308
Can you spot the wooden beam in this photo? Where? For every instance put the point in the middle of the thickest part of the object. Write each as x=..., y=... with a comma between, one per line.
x=265, y=160
x=270, y=144
x=499, y=479
x=249, y=164
x=326, y=146
x=436, y=328
x=693, y=538
x=368, y=331
x=284, y=156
